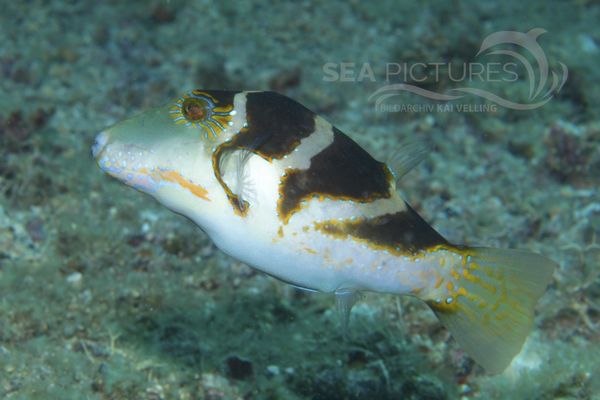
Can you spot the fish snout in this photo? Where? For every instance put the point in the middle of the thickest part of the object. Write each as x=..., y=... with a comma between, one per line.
x=99, y=145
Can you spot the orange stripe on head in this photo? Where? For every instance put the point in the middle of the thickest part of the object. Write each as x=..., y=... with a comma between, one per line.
x=175, y=177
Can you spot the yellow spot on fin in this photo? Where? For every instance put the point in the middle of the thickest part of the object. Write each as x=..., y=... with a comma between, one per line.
x=492, y=325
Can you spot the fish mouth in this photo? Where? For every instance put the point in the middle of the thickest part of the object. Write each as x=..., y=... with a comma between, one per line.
x=99, y=145
x=123, y=163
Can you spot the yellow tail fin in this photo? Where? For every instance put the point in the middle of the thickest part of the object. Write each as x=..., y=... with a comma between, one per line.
x=491, y=311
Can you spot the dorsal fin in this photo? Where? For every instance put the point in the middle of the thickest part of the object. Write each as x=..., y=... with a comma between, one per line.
x=410, y=152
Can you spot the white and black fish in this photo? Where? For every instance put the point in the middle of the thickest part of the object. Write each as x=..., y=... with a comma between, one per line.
x=279, y=188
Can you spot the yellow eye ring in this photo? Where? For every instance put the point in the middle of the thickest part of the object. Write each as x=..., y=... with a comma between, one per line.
x=200, y=110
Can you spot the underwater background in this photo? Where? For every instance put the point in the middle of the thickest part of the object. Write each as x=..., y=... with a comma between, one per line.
x=104, y=294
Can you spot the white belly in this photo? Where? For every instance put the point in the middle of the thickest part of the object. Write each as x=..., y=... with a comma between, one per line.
x=311, y=259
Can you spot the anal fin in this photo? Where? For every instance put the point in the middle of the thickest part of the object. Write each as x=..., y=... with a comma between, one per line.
x=345, y=299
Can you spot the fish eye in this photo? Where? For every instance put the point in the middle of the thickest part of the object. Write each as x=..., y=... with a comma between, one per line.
x=194, y=109
x=201, y=110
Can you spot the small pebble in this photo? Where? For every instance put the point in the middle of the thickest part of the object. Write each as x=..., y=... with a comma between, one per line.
x=74, y=278
x=273, y=370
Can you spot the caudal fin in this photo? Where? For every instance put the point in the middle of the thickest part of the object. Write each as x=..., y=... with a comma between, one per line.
x=491, y=312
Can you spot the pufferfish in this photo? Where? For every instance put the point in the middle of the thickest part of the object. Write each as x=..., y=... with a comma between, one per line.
x=278, y=187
